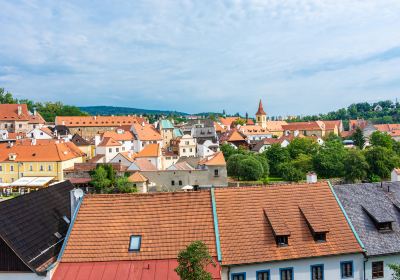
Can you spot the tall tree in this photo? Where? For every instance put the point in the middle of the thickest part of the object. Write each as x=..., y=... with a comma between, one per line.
x=305, y=146
x=381, y=139
x=328, y=163
x=355, y=166
x=381, y=161
x=193, y=262
x=276, y=155
x=250, y=169
x=358, y=138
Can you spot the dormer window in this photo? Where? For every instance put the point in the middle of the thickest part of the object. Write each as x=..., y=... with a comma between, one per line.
x=278, y=225
x=134, y=243
x=282, y=240
x=315, y=223
x=320, y=237
x=381, y=218
x=384, y=227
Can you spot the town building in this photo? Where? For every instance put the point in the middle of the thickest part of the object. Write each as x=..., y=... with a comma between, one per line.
x=235, y=138
x=40, y=133
x=261, y=116
x=37, y=158
x=87, y=147
x=137, y=236
x=17, y=118
x=145, y=134
x=285, y=232
x=187, y=146
x=89, y=126
x=315, y=128
x=33, y=228
x=166, y=129
x=373, y=209
x=276, y=127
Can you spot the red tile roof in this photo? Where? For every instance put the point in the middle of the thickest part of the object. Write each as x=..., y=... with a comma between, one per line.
x=146, y=132
x=96, y=121
x=36, y=119
x=387, y=127
x=216, y=160
x=150, y=150
x=303, y=126
x=9, y=112
x=247, y=237
x=167, y=222
x=109, y=142
x=137, y=177
x=260, y=110
x=123, y=136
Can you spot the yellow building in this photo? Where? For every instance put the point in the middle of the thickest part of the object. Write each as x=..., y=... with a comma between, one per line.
x=37, y=158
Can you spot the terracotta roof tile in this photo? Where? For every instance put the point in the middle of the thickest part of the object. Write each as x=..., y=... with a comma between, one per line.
x=216, y=159
x=150, y=150
x=123, y=136
x=137, y=177
x=247, y=237
x=109, y=142
x=96, y=121
x=146, y=132
x=9, y=112
x=167, y=222
x=275, y=125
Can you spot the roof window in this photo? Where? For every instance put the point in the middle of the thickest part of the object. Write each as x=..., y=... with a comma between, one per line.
x=315, y=222
x=381, y=218
x=279, y=227
x=134, y=243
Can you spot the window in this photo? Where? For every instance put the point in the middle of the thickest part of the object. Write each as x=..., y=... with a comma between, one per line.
x=110, y=150
x=30, y=168
x=286, y=273
x=117, y=150
x=320, y=237
x=191, y=150
x=135, y=242
x=180, y=183
x=262, y=275
x=41, y=168
x=346, y=269
x=216, y=174
x=184, y=150
x=317, y=272
x=239, y=276
x=12, y=168
x=49, y=168
x=387, y=226
x=20, y=125
x=1, y=168
x=173, y=183
x=282, y=240
x=377, y=270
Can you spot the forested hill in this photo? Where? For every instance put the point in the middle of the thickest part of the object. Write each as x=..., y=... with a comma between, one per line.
x=111, y=110
x=379, y=112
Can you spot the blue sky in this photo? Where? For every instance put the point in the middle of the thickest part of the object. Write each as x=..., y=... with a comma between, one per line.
x=299, y=56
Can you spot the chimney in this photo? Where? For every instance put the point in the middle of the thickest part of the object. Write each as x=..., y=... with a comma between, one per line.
x=34, y=112
x=312, y=178
x=33, y=143
x=75, y=195
x=97, y=140
x=19, y=110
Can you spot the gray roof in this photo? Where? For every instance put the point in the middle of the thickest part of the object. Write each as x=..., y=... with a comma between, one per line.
x=367, y=204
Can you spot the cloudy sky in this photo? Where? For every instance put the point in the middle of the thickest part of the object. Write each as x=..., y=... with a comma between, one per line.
x=298, y=56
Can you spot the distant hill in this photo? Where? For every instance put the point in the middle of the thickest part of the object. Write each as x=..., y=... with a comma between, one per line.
x=111, y=110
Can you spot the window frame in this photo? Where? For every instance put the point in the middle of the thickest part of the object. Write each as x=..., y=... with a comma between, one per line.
x=314, y=266
x=341, y=269
x=264, y=271
x=383, y=270
x=130, y=241
x=238, y=274
x=284, y=269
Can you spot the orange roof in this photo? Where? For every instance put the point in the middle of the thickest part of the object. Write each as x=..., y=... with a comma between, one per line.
x=227, y=121
x=150, y=150
x=232, y=136
x=96, y=121
x=219, y=128
x=241, y=217
x=47, y=131
x=217, y=159
x=36, y=119
x=260, y=110
x=137, y=177
x=331, y=124
x=43, y=150
x=129, y=156
x=361, y=123
x=124, y=136
x=109, y=142
x=9, y=112
x=303, y=126
x=387, y=127
x=146, y=132
x=144, y=165
x=275, y=125
x=167, y=223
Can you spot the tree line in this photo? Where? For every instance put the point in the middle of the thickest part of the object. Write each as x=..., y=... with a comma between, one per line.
x=330, y=160
x=48, y=110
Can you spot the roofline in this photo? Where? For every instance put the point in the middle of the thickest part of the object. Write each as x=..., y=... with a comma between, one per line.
x=216, y=229
x=347, y=217
x=295, y=259
x=68, y=232
x=12, y=249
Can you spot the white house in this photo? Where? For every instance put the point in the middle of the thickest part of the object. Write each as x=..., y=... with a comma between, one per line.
x=208, y=148
x=285, y=232
x=125, y=138
x=373, y=210
x=187, y=146
x=145, y=134
x=395, y=175
x=109, y=148
x=124, y=158
x=40, y=133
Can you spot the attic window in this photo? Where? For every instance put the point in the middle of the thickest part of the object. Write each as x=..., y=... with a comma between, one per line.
x=384, y=227
x=282, y=240
x=320, y=237
x=381, y=218
x=58, y=235
x=134, y=243
x=315, y=222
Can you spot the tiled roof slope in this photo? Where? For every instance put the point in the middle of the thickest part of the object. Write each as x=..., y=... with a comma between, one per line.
x=9, y=112
x=145, y=132
x=28, y=224
x=373, y=198
x=167, y=222
x=247, y=237
x=96, y=121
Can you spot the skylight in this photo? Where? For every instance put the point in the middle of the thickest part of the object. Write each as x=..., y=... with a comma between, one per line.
x=135, y=242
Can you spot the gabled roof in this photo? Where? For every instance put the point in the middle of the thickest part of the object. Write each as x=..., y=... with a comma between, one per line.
x=109, y=142
x=167, y=223
x=142, y=164
x=217, y=159
x=368, y=203
x=137, y=177
x=79, y=140
x=119, y=135
x=43, y=150
x=145, y=132
x=166, y=124
x=253, y=130
x=28, y=224
x=96, y=121
x=9, y=112
x=150, y=150
x=247, y=236
x=304, y=126
x=275, y=125
x=260, y=110
x=387, y=127
x=233, y=135
x=36, y=119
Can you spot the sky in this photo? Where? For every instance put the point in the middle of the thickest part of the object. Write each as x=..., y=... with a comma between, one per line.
x=298, y=56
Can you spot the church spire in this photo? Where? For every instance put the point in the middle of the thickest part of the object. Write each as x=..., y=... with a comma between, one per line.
x=260, y=109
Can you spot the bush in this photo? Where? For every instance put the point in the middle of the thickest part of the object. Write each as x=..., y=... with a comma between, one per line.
x=232, y=165
x=250, y=169
x=290, y=173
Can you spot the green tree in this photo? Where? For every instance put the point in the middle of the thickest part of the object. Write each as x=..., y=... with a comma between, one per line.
x=396, y=271
x=328, y=162
x=261, y=158
x=333, y=138
x=307, y=146
x=276, y=155
x=124, y=186
x=290, y=173
x=193, y=262
x=100, y=180
x=381, y=139
x=228, y=150
x=358, y=138
x=233, y=163
x=303, y=163
x=250, y=169
x=355, y=166
x=381, y=161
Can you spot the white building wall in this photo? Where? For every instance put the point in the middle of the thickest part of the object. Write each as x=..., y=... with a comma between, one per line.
x=38, y=134
x=302, y=268
x=22, y=276
x=388, y=273
x=394, y=176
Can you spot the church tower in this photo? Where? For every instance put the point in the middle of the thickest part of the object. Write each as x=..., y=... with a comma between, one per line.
x=261, y=116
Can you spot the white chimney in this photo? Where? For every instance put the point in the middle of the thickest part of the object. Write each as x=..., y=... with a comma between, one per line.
x=312, y=178
x=296, y=133
x=33, y=142
x=97, y=140
x=19, y=110
x=34, y=112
